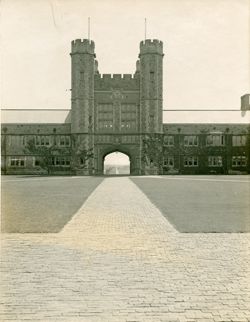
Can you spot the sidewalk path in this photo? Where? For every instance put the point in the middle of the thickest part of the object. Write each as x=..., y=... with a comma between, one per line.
x=119, y=259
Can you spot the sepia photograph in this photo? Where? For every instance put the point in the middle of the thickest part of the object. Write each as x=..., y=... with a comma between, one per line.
x=125, y=160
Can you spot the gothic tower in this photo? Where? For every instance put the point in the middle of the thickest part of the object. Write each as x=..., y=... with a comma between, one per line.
x=151, y=58
x=82, y=103
x=82, y=96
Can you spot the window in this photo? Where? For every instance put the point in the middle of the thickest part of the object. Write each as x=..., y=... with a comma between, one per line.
x=191, y=140
x=17, y=161
x=216, y=140
x=42, y=140
x=190, y=161
x=105, y=116
x=37, y=163
x=17, y=140
x=215, y=161
x=61, y=161
x=169, y=140
x=239, y=161
x=64, y=140
x=168, y=161
x=23, y=140
x=239, y=140
x=128, y=117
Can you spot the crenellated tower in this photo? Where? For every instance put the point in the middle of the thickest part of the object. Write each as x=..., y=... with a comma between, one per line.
x=151, y=59
x=84, y=67
x=82, y=97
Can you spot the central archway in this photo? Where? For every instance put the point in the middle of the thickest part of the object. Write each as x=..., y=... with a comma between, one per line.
x=116, y=163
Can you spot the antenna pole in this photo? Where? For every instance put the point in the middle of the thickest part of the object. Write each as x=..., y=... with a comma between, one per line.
x=145, y=28
x=88, y=28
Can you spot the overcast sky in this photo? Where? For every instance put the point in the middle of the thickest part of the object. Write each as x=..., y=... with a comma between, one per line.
x=206, y=46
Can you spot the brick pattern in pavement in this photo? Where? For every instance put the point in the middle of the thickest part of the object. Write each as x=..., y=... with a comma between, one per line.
x=119, y=259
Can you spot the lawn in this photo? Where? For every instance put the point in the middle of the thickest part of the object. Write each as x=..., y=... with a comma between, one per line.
x=201, y=203
x=42, y=204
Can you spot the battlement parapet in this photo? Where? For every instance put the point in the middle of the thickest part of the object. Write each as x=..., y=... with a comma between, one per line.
x=108, y=81
x=82, y=46
x=151, y=46
x=116, y=76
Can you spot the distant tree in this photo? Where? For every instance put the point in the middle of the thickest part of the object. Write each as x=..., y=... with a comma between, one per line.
x=80, y=156
x=44, y=153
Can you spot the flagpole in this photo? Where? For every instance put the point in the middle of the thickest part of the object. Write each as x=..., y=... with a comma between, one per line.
x=88, y=28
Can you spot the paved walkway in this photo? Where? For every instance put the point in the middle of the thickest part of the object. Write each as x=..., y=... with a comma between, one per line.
x=119, y=259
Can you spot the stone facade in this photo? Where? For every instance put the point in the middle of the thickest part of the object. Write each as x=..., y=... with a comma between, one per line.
x=124, y=113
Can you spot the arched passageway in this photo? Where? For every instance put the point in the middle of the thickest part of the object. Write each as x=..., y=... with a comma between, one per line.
x=116, y=163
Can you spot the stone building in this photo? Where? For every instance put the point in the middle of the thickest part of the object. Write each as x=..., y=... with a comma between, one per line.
x=122, y=113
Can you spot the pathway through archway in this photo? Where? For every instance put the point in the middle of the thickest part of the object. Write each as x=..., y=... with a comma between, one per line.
x=116, y=163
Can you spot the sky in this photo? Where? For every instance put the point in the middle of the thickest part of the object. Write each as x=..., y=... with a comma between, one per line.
x=206, y=47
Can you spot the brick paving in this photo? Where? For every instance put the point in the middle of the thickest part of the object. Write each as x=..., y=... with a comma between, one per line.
x=119, y=259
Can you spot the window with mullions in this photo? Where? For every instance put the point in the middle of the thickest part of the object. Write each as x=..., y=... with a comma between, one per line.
x=239, y=140
x=17, y=161
x=64, y=140
x=42, y=140
x=168, y=161
x=190, y=161
x=60, y=161
x=169, y=140
x=128, y=116
x=239, y=161
x=105, y=115
x=18, y=140
x=190, y=140
x=216, y=140
x=215, y=161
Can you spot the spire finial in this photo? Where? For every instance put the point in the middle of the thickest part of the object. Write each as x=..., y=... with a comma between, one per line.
x=145, y=28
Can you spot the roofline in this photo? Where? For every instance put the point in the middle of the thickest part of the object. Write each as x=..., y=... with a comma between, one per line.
x=35, y=109
x=164, y=110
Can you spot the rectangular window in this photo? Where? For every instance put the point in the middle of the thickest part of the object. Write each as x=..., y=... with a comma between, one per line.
x=64, y=140
x=216, y=140
x=168, y=140
x=18, y=140
x=239, y=161
x=37, y=163
x=17, y=161
x=215, y=161
x=190, y=140
x=239, y=140
x=190, y=161
x=128, y=117
x=168, y=161
x=42, y=140
x=23, y=140
x=105, y=117
x=61, y=161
